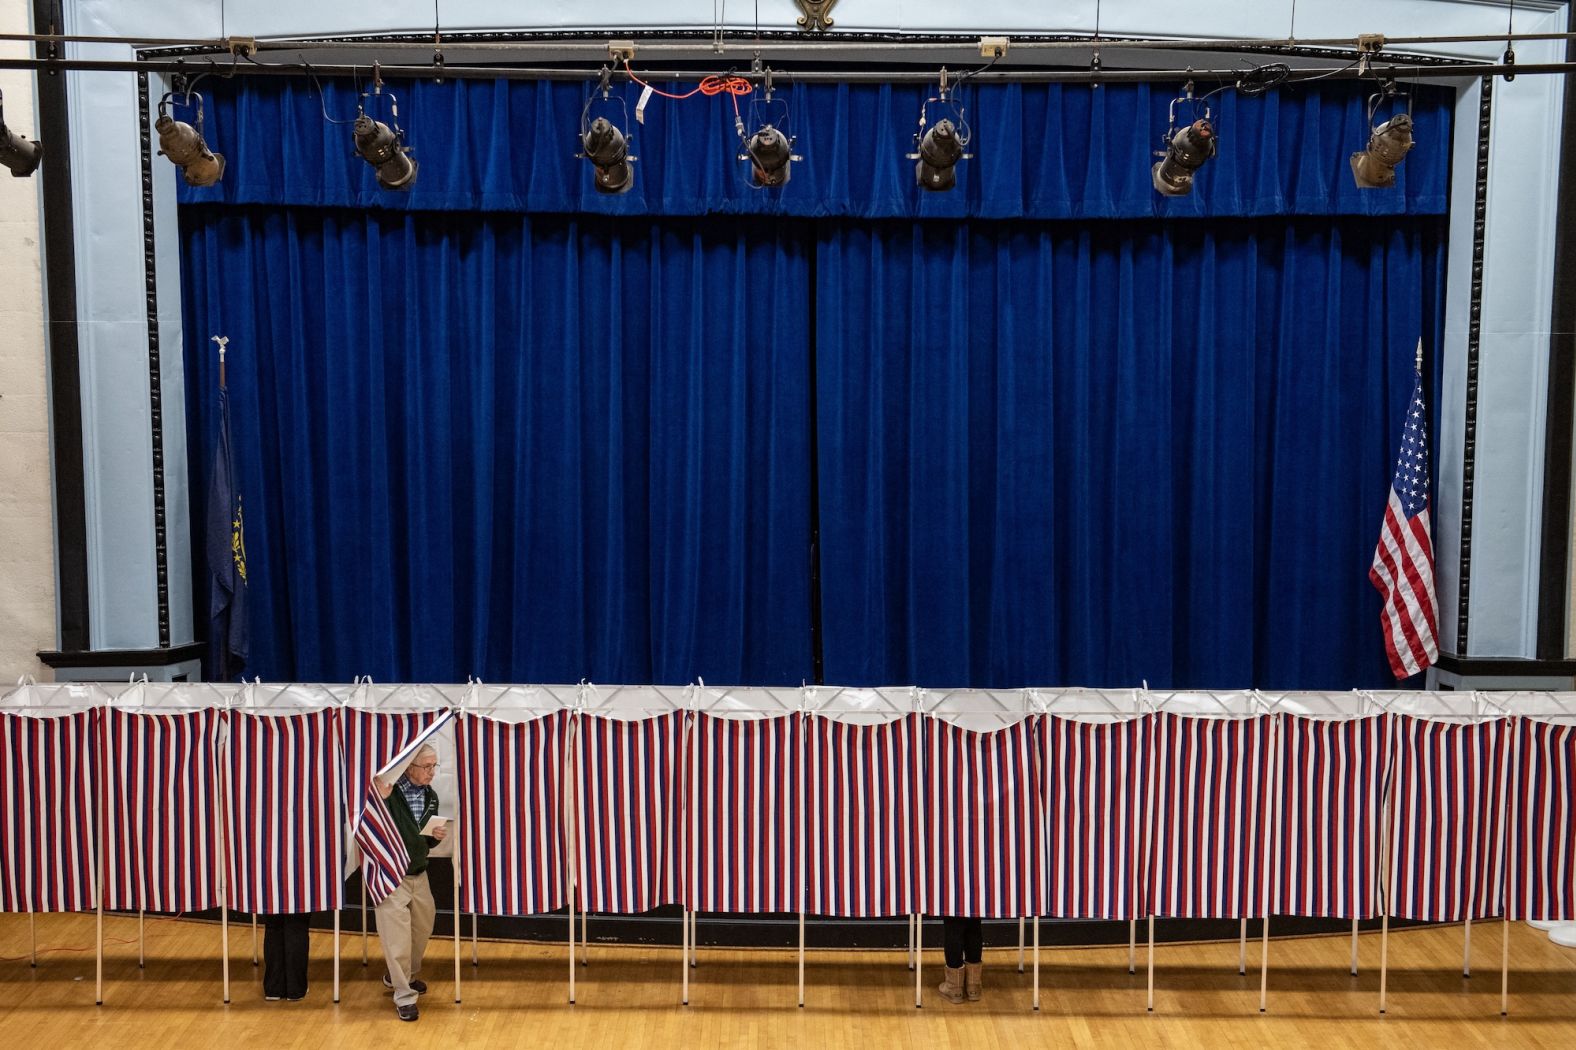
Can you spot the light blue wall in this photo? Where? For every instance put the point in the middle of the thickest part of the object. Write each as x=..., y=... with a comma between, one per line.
x=1518, y=276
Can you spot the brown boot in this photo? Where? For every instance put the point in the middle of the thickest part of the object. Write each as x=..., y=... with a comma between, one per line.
x=952, y=988
x=971, y=981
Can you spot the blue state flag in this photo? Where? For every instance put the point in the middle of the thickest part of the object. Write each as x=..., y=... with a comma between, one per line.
x=228, y=628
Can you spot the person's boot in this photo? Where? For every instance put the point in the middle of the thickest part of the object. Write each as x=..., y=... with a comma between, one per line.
x=952, y=988
x=972, y=985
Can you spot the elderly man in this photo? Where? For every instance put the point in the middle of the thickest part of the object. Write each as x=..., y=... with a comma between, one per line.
x=405, y=916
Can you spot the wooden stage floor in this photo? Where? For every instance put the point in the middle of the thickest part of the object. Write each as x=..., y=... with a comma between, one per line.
x=864, y=1000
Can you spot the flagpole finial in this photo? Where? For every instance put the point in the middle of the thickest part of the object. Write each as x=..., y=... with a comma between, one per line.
x=224, y=341
x=1419, y=353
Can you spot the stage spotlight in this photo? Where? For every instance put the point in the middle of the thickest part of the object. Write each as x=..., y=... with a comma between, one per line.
x=17, y=153
x=770, y=155
x=1374, y=168
x=383, y=147
x=938, y=148
x=606, y=148
x=184, y=145
x=1187, y=151
x=939, y=153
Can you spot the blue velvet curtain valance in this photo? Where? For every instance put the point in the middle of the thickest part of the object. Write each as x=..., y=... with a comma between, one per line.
x=1041, y=152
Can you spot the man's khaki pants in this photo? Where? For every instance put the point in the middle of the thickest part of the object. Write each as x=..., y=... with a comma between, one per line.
x=404, y=924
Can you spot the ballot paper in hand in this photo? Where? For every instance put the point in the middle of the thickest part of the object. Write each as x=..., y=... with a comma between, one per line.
x=432, y=825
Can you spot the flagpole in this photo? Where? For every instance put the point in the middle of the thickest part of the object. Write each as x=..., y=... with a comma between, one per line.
x=363, y=867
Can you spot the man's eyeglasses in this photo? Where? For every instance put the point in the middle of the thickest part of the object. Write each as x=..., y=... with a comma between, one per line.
x=429, y=766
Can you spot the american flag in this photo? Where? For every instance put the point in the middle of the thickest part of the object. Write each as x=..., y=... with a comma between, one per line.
x=1403, y=566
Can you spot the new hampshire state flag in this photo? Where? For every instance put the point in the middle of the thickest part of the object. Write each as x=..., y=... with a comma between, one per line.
x=228, y=631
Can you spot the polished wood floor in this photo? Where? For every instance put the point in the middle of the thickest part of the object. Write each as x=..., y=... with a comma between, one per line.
x=630, y=997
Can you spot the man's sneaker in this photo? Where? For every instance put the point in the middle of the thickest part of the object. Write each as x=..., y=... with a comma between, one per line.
x=407, y=1013
x=417, y=985
x=272, y=998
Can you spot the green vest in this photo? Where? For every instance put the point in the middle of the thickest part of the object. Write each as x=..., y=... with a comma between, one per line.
x=410, y=825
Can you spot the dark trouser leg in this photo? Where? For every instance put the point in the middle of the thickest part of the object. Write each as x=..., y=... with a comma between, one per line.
x=285, y=943
x=274, y=983
x=973, y=939
x=298, y=943
x=953, y=935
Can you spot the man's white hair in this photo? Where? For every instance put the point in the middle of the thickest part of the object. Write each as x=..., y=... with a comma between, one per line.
x=422, y=752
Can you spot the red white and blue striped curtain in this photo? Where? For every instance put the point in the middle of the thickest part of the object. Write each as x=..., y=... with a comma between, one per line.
x=630, y=812
x=162, y=793
x=1212, y=817
x=863, y=818
x=1542, y=875
x=48, y=809
x=983, y=830
x=1447, y=819
x=1328, y=861
x=511, y=780
x=1096, y=784
x=746, y=806
x=372, y=739
x=283, y=800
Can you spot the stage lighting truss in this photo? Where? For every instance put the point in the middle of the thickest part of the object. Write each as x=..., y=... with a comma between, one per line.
x=603, y=141
x=184, y=144
x=381, y=144
x=769, y=150
x=940, y=145
x=21, y=155
x=1187, y=148
x=1373, y=167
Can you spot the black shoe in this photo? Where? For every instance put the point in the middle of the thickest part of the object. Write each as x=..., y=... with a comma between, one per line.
x=407, y=1013
x=295, y=998
x=417, y=985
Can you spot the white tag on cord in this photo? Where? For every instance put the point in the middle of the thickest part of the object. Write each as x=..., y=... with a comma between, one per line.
x=640, y=107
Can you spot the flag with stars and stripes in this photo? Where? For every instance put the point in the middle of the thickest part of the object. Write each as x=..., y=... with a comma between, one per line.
x=1403, y=566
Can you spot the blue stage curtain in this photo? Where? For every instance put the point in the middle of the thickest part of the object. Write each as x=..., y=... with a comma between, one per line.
x=1067, y=432
x=1094, y=454
x=1041, y=151
x=529, y=449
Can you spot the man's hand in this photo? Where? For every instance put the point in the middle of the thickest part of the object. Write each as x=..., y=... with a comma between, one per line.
x=382, y=787
x=440, y=832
